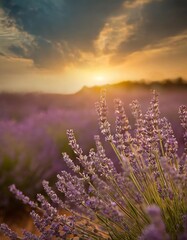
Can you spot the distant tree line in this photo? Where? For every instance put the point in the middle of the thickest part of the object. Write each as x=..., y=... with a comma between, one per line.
x=165, y=83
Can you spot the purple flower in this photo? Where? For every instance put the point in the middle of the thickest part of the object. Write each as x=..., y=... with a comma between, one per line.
x=8, y=232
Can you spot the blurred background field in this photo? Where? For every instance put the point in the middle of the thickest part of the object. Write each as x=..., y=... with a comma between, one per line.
x=33, y=132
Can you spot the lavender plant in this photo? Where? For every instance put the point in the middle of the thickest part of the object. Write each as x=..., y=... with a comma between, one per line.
x=30, y=149
x=145, y=198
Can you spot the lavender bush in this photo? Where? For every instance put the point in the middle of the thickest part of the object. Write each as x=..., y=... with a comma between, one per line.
x=26, y=153
x=144, y=198
x=30, y=151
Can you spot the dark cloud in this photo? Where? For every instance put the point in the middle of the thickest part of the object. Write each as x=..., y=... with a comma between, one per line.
x=56, y=23
x=154, y=22
x=17, y=50
x=60, y=29
x=45, y=53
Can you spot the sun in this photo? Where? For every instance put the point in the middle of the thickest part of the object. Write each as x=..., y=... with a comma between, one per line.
x=100, y=79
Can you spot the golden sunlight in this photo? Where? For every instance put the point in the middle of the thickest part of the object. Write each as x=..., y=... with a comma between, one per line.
x=100, y=79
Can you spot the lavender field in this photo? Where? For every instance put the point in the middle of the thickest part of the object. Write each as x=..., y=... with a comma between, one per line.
x=93, y=120
x=33, y=134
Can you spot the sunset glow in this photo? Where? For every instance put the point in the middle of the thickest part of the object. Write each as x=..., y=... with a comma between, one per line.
x=100, y=79
x=80, y=47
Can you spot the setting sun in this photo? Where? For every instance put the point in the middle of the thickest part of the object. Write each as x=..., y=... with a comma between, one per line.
x=100, y=79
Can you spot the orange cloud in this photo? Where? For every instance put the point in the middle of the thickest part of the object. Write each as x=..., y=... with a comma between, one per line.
x=113, y=34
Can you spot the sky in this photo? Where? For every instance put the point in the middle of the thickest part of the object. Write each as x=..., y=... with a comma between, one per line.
x=60, y=46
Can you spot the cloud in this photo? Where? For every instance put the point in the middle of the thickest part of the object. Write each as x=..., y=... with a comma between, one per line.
x=17, y=50
x=113, y=33
x=45, y=53
x=60, y=28
x=59, y=33
x=153, y=22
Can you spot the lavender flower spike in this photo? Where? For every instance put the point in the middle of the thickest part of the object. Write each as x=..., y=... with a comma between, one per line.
x=8, y=232
x=20, y=196
x=156, y=230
